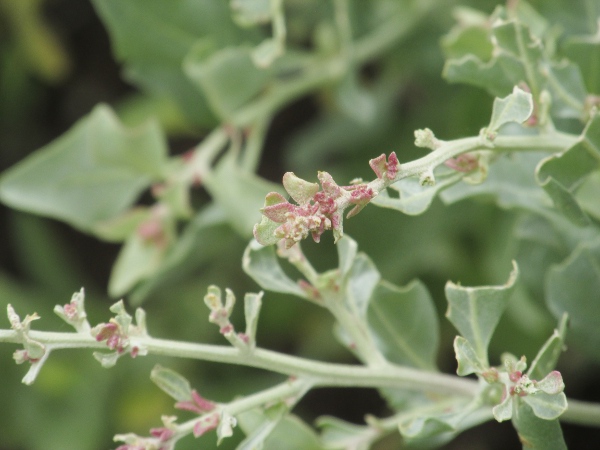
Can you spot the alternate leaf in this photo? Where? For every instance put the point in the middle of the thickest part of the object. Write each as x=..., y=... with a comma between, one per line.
x=516, y=107
x=262, y=265
x=547, y=357
x=475, y=311
x=536, y=433
x=468, y=361
x=91, y=174
x=547, y=406
x=404, y=322
x=362, y=280
x=415, y=199
x=289, y=432
x=337, y=434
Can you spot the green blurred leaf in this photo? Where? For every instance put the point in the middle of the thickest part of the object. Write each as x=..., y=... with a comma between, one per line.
x=565, y=202
x=239, y=193
x=475, y=312
x=251, y=12
x=121, y=227
x=172, y=383
x=252, y=305
x=262, y=265
x=536, y=433
x=572, y=287
x=585, y=52
x=228, y=77
x=587, y=195
x=137, y=260
x=152, y=38
x=415, y=199
x=90, y=174
x=404, y=322
x=516, y=107
x=347, y=249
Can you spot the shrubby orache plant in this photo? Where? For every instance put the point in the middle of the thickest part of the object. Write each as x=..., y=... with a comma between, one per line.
x=230, y=67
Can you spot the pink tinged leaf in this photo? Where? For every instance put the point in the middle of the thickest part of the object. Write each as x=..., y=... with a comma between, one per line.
x=277, y=213
x=378, y=165
x=163, y=434
x=300, y=190
x=273, y=198
x=551, y=383
x=204, y=404
x=392, y=166
x=205, y=424
x=329, y=185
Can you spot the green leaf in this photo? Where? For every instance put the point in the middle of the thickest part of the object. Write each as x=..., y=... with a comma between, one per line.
x=468, y=361
x=572, y=287
x=585, y=52
x=251, y=12
x=137, y=260
x=363, y=277
x=337, y=434
x=258, y=425
x=587, y=195
x=229, y=78
x=423, y=426
x=91, y=174
x=546, y=359
x=252, y=305
x=404, y=322
x=152, y=38
x=516, y=107
x=547, y=406
x=288, y=433
x=239, y=193
x=475, y=311
x=170, y=382
x=565, y=202
x=571, y=166
x=536, y=433
x=347, y=249
x=415, y=199
x=263, y=266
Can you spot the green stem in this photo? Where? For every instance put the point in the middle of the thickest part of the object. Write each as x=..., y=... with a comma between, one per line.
x=319, y=373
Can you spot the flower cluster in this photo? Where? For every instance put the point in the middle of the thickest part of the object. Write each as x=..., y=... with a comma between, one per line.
x=317, y=208
x=162, y=438
x=545, y=396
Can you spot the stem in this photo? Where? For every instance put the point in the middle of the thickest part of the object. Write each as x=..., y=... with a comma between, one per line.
x=582, y=413
x=319, y=373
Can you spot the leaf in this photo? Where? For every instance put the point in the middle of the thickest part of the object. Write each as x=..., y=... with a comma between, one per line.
x=546, y=359
x=251, y=12
x=475, y=311
x=516, y=107
x=263, y=266
x=288, y=433
x=571, y=166
x=337, y=434
x=360, y=285
x=536, y=433
x=240, y=194
x=152, y=38
x=565, y=202
x=258, y=425
x=137, y=260
x=468, y=361
x=228, y=77
x=91, y=174
x=252, y=305
x=415, y=199
x=404, y=322
x=172, y=383
x=510, y=182
x=572, y=287
x=585, y=52
x=347, y=249
x=547, y=406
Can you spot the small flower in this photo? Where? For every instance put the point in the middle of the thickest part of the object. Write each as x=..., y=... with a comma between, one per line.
x=115, y=337
x=205, y=424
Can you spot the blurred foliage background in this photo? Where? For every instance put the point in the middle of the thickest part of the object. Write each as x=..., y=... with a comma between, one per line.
x=56, y=64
